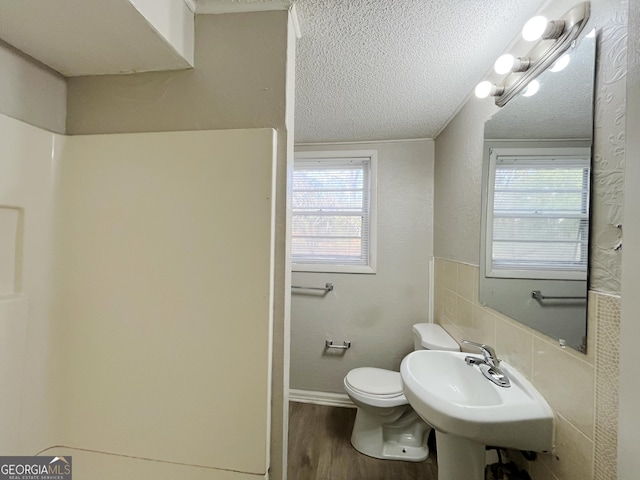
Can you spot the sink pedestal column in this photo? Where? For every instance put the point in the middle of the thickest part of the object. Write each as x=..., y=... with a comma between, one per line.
x=459, y=458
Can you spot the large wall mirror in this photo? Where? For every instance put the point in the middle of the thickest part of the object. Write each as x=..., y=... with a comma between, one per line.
x=535, y=201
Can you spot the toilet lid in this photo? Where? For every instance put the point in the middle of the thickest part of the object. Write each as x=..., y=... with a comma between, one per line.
x=375, y=381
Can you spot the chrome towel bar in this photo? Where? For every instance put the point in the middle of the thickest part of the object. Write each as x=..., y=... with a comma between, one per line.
x=537, y=294
x=327, y=288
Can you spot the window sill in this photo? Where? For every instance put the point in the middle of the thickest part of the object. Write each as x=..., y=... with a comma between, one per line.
x=320, y=268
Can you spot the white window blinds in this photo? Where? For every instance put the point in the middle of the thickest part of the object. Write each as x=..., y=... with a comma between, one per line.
x=538, y=216
x=331, y=215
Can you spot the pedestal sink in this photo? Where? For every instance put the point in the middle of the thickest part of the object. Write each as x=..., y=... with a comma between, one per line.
x=468, y=411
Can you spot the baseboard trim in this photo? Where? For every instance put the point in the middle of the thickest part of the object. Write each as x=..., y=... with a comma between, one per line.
x=321, y=398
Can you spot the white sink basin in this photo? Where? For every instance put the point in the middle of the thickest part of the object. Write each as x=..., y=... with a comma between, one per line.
x=456, y=399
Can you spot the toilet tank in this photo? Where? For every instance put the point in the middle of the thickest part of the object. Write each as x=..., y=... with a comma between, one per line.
x=431, y=336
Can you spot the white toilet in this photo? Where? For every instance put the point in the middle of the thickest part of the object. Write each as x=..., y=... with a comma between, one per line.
x=386, y=426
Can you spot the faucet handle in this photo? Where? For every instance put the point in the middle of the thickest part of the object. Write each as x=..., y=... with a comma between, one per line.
x=488, y=352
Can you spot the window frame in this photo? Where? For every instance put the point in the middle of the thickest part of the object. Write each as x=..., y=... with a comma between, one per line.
x=568, y=155
x=371, y=156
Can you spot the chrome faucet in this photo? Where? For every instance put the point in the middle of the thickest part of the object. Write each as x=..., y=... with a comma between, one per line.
x=490, y=366
x=488, y=353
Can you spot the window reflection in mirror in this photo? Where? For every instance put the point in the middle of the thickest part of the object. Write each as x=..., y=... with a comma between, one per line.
x=535, y=202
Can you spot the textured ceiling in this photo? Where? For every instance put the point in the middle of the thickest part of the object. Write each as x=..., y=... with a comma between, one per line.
x=395, y=69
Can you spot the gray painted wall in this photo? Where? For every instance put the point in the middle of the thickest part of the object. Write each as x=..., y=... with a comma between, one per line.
x=374, y=312
x=458, y=184
x=629, y=422
x=220, y=92
x=30, y=91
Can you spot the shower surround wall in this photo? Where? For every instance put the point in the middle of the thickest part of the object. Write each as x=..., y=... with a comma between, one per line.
x=582, y=390
x=132, y=273
x=374, y=312
x=32, y=389
x=158, y=280
x=223, y=91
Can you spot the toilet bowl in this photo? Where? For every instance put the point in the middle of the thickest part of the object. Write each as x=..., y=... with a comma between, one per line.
x=386, y=426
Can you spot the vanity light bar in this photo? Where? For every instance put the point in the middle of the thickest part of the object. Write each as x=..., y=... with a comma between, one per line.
x=539, y=27
x=545, y=56
x=563, y=32
x=507, y=63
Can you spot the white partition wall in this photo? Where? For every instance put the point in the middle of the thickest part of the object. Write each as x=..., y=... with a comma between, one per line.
x=164, y=302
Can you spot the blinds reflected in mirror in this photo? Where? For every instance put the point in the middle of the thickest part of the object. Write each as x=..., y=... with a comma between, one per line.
x=538, y=225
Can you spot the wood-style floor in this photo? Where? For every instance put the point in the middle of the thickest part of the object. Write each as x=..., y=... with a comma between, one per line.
x=320, y=449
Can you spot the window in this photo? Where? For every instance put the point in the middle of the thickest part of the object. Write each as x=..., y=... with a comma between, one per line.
x=333, y=212
x=538, y=213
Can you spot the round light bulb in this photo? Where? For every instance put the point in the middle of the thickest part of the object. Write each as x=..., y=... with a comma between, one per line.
x=534, y=28
x=483, y=89
x=531, y=89
x=561, y=63
x=504, y=64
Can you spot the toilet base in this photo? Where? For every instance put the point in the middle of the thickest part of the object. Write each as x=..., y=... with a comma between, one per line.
x=404, y=439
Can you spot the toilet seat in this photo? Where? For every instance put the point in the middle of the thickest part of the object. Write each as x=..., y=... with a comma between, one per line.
x=375, y=386
x=375, y=381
